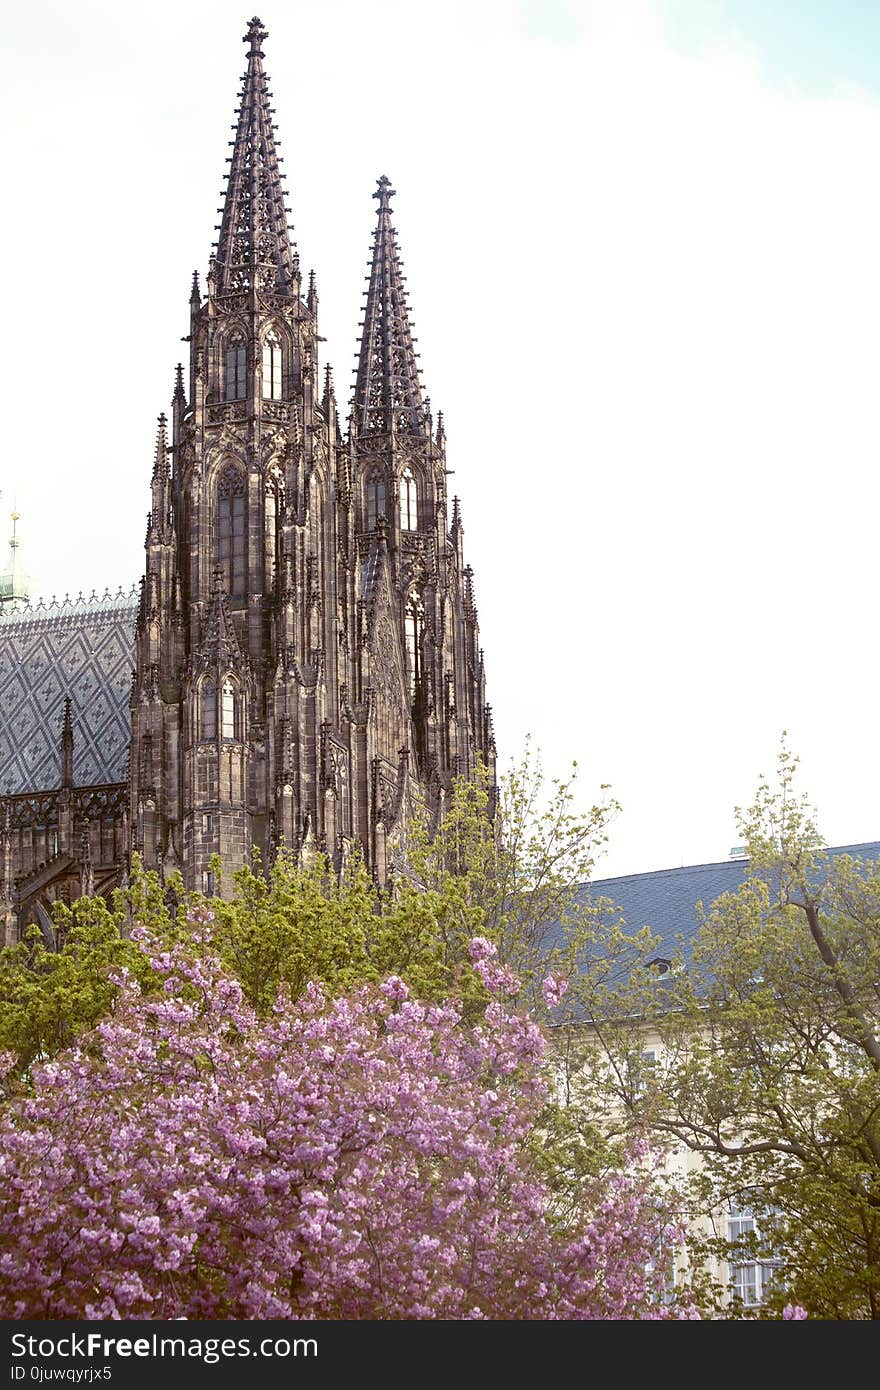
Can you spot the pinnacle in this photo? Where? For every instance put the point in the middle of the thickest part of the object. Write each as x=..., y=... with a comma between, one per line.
x=388, y=396
x=329, y=399
x=161, y=463
x=220, y=642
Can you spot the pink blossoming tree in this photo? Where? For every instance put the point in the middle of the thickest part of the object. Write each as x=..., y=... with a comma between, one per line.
x=362, y=1156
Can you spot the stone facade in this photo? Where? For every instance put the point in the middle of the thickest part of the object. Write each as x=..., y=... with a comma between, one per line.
x=306, y=649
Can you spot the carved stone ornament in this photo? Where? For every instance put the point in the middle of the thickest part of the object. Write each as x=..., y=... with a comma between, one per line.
x=384, y=668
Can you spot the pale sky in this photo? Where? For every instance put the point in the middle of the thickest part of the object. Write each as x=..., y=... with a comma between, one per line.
x=642, y=242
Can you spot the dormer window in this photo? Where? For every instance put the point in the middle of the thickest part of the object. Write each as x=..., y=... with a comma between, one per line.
x=236, y=370
x=271, y=367
x=409, y=505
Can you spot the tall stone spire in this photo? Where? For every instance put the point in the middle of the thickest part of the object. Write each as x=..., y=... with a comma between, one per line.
x=388, y=395
x=254, y=248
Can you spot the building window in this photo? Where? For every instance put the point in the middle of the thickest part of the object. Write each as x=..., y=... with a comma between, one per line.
x=414, y=626
x=231, y=529
x=749, y=1277
x=409, y=506
x=662, y=1264
x=209, y=709
x=271, y=368
x=274, y=512
x=207, y=882
x=228, y=711
x=236, y=370
x=375, y=500
x=645, y=1076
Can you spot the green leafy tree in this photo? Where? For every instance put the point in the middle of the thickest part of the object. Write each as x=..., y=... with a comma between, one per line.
x=55, y=984
x=768, y=1058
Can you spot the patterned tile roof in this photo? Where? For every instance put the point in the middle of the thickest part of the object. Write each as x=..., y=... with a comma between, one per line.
x=83, y=648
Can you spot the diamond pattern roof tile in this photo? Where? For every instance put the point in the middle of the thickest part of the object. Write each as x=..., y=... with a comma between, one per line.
x=84, y=650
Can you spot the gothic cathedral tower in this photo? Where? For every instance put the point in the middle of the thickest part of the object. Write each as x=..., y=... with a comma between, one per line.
x=308, y=660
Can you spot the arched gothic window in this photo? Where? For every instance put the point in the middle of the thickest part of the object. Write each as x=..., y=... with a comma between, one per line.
x=228, y=712
x=236, y=370
x=274, y=513
x=271, y=367
x=375, y=499
x=209, y=709
x=409, y=506
x=414, y=628
x=231, y=531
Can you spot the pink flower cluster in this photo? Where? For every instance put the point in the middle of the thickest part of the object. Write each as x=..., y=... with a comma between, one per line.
x=553, y=989
x=356, y=1157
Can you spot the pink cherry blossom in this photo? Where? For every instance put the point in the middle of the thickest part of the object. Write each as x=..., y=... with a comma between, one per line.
x=363, y=1156
x=553, y=989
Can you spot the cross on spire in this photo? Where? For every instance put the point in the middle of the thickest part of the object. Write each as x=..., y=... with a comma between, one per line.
x=254, y=249
x=388, y=394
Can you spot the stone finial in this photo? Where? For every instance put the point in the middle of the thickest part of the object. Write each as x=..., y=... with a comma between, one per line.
x=254, y=37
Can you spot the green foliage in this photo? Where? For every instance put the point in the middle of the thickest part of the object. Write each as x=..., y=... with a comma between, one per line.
x=297, y=924
x=515, y=872
x=770, y=1064
x=51, y=993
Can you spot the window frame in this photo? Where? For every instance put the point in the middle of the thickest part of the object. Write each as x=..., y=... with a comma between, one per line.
x=375, y=498
x=207, y=722
x=409, y=500
x=273, y=367
x=232, y=530
x=235, y=370
x=229, y=718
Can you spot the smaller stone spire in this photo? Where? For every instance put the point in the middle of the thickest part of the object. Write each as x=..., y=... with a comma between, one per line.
x=388, y=393
x=161, y=516
x=161, y=466
x=67, y=745
x=328, y=403
x=14, y=583
x=221, y=644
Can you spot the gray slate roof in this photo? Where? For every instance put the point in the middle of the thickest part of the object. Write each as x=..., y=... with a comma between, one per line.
x=82, y=648
x=665, y=900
